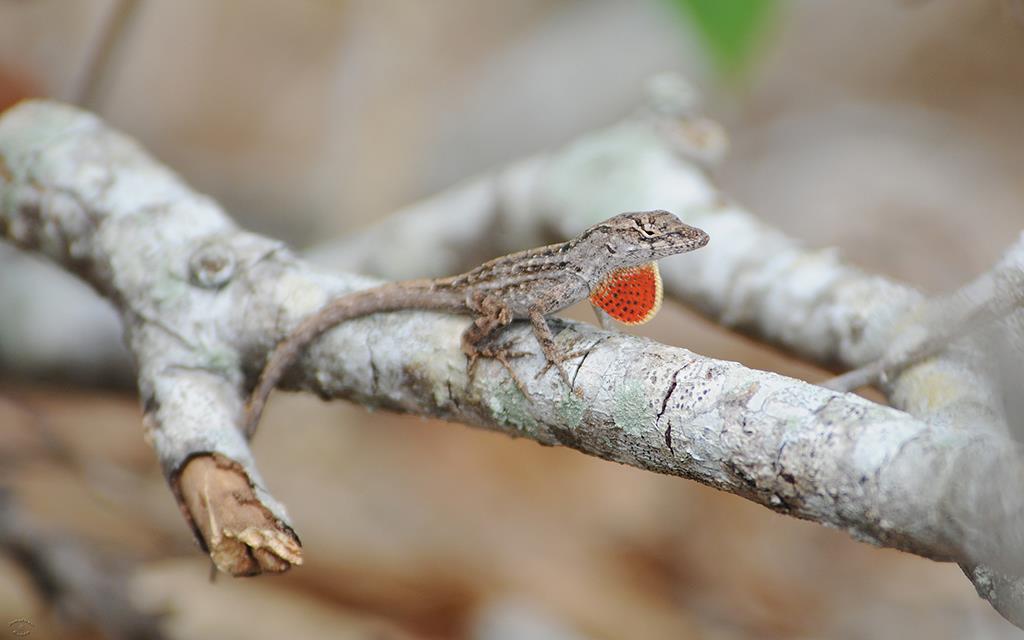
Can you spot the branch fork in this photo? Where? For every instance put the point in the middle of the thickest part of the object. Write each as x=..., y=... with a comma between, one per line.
x=202, y=302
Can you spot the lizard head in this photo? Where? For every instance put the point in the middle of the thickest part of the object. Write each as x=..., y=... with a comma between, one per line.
x=618, y=260
x=634, y=239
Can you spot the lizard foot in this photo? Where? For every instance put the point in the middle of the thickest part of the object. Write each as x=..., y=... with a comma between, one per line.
x=503, y=355
x=557, y=361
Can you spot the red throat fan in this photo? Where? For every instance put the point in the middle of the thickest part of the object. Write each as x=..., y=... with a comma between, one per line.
x=631, y=295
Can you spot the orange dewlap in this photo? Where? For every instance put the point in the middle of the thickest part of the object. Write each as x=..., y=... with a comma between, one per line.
x=631, y=295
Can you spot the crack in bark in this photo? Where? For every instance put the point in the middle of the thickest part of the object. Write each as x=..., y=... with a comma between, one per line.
x=374, y=373
x=586, y=354
x=664, y=405
x=451, y=396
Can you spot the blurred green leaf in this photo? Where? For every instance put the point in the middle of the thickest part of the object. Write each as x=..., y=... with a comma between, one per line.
x=730, y=29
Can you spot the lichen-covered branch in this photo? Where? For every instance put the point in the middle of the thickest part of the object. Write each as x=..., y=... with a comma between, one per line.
x=93, y=202
x=202, y=301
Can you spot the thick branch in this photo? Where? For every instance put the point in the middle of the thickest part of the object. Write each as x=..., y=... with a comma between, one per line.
x=93, y=202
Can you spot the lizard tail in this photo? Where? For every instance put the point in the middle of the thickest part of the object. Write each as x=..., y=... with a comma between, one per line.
x=388, y=297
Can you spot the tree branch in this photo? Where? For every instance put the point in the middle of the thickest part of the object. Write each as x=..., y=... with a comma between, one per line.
x=83, y=589
x=203, y=301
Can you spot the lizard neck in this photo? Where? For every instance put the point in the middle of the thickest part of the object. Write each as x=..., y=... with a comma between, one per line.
x=589, y=266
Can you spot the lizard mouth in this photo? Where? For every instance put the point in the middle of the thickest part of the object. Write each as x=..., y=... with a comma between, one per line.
x=698, y=237
x=692, y=236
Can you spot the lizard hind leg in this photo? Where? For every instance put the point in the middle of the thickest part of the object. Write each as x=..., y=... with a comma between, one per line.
x=493, y=316
x=503, y=355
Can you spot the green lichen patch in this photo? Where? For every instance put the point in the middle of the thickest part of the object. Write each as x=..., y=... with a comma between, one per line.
x=631, y=410
x=219, y=358
x=169, y=290
x=508, y=406
x=570, y=410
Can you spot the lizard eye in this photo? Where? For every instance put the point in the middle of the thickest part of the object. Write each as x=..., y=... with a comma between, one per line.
x=645, y=228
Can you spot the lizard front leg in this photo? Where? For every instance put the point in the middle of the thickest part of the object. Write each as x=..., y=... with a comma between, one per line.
x=552, y=353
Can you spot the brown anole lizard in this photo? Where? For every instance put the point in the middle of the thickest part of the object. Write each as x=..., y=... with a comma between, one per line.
x=612, y=263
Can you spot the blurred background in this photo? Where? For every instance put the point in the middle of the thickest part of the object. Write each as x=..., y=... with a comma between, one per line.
x=891, y=129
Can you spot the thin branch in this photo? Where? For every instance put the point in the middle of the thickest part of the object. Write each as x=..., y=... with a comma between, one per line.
x=83, y=590
x=94, y=75
x=990, y=298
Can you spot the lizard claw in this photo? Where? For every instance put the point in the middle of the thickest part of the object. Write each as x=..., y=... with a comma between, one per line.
x=557, y=363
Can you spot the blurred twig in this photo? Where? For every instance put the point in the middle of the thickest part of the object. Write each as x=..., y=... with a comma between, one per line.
x=109, y=483
x=100, y=59
x=83, y=590
x=939, y=322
